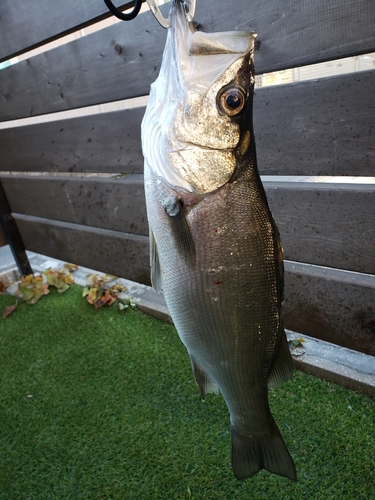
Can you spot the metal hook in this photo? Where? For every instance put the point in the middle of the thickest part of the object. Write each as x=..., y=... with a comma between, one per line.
x=120, y=15
x=165, y=22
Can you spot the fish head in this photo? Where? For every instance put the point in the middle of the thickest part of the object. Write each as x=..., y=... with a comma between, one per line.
x=198, y=119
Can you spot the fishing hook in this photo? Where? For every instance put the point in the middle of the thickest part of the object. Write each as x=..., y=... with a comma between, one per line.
x=165, y=22
x=120, y=15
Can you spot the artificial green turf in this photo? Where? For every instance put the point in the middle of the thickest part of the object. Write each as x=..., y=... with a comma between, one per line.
x=98, y=404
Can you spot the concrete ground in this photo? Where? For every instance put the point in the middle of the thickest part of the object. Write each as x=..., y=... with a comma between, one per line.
x=343, y=366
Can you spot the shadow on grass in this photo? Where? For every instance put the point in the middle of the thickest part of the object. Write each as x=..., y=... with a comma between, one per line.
x=98, y=404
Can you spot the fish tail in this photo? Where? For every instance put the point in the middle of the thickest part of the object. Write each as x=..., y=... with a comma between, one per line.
x=250, y=455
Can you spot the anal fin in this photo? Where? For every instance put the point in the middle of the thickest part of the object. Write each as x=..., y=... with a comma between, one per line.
x=205, y=383
x=283, y=367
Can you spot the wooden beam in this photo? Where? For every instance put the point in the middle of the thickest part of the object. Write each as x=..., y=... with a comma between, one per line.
x=321, y=127
x=49, y=21
x=330, y=304
x=107, y=203
x=121, y=254
x=325, y=224
x=108, y=142
x=117, y=63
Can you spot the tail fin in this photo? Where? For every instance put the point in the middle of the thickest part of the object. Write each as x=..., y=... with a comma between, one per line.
x=250, y=455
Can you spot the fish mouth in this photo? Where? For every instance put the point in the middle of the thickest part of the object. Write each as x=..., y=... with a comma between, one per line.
x=191, y=146
x=198, y=145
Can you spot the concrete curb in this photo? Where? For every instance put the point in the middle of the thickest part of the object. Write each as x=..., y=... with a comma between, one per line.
x=340, y=365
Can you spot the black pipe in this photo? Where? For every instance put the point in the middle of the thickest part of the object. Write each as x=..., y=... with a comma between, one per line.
x=12, y=235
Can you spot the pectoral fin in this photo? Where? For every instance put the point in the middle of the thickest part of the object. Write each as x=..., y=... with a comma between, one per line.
x=155, y=265
x=180, y=231
x=205, y=384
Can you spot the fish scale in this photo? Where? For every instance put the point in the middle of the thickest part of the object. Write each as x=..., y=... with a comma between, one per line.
x=215, y=248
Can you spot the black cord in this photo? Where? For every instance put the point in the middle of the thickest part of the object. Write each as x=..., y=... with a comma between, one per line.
x=121, y=15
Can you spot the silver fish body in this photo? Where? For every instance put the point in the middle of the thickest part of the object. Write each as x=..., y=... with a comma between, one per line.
x=215, y=248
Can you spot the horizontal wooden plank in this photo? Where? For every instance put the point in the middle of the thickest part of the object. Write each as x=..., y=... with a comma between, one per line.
x=320, y=223
x=118, y=63
x=115, y=63
x=292, y=34
x=326, y=224
x=321, y=127
x=108, y=142
x=107, y=203
x=49, y=20
x=121, y=254
x=332, y=305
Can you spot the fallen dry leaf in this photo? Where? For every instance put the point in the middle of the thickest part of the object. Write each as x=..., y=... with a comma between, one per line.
x=32, y=288
x=70, y=267
x=60, y=279
x=8, y=310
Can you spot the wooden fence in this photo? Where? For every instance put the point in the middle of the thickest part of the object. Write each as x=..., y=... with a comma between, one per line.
x=316, y=128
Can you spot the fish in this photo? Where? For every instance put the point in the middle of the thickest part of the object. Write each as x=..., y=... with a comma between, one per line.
x=215, y=249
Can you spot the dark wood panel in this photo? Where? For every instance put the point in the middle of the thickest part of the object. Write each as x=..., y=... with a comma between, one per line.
x=107, y=203
x=321, y=127
x=108, y=142
x=118, y=63
x=23, y=28
x=121, y=254
x=326, y=224
x=331, y=305
x=293, y=34
x=115, y=63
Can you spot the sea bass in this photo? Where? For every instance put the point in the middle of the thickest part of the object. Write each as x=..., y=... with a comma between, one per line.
x=215, y=248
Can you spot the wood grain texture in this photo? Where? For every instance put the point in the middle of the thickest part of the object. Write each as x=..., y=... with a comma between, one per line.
x=293, y=34
x=46, y=20
x=326, y=224
x=115, y=63
x=331, y=305
x=108, y=142
x=121, y=254
x=323, y=127
x=115, y=204
x=319, y=127
x=118, y=63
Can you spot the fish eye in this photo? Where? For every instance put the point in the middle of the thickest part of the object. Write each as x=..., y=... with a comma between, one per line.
x=231, y=101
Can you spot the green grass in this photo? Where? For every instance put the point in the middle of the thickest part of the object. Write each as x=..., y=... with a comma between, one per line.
x=115, y=414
